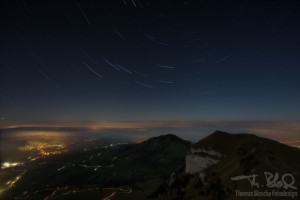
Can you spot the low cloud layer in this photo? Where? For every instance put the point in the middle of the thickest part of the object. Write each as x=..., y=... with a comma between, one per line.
x=138, y=131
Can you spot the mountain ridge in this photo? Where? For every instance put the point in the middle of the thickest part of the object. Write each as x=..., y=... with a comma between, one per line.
x=215, y=159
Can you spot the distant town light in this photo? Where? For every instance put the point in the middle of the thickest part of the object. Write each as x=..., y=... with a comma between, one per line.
x=6, y=164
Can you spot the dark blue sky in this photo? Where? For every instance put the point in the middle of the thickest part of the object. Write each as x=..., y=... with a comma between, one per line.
x=128, y=60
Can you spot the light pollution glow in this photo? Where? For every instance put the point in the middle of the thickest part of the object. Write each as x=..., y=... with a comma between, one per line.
x=278, y=130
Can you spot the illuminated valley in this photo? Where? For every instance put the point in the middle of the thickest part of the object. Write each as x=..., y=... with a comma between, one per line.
x=42, y=155
x=44, y=149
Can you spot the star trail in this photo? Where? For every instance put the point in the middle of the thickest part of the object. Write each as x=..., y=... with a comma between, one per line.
x=128, y=60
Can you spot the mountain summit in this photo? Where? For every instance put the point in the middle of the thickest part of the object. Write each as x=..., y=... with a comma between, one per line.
x=222, y=163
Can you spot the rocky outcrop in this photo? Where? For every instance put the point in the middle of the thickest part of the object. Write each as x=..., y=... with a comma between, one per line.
x=199, y=159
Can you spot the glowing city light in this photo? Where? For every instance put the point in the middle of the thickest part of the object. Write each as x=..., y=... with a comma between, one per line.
x=9, y=164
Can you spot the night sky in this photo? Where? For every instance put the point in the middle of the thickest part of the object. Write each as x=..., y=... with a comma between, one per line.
x=82, y=61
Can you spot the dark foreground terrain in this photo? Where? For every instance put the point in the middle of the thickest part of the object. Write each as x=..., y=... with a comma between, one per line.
x=164, y=167
x=128, y=171
x=241, y=166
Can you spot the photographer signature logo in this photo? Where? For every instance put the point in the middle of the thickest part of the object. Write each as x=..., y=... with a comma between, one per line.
x=286, y=181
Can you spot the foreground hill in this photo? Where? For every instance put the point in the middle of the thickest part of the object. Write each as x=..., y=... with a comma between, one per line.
x=215, y=166
x=153, y=158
